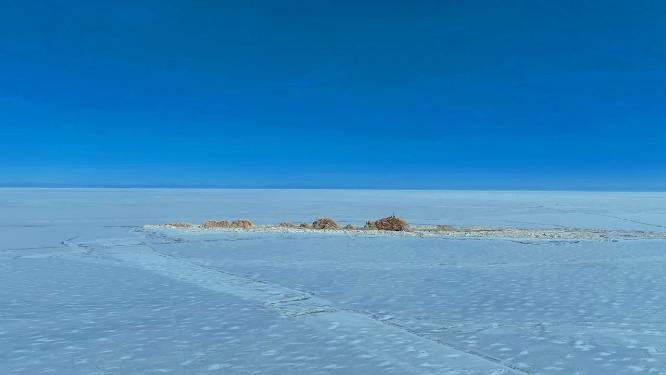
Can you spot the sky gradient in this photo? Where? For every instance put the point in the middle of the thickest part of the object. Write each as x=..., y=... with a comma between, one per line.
x=338, y=94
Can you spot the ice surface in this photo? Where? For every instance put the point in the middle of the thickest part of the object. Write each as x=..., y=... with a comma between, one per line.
x=86, y=291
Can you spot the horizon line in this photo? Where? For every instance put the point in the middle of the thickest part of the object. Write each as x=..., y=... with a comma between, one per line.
x=276, y=187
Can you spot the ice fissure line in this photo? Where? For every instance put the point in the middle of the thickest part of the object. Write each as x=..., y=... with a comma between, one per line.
x=315, y=311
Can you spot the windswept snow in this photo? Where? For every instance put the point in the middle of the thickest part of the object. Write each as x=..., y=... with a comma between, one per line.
x=87, y=289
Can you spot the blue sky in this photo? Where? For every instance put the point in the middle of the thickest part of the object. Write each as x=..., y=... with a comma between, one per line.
x=358, y=94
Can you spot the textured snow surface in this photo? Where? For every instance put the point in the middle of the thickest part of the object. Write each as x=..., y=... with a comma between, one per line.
x=86, y=289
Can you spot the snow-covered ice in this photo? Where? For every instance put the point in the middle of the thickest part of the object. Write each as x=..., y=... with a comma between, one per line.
x=87, y=289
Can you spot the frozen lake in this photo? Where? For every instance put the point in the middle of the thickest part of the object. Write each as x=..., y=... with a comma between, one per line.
x=85, y=290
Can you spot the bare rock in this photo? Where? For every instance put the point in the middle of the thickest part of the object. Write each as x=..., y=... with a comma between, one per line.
x=210, y=224
x=391, y=223
x=324, y=223
x=244, y=224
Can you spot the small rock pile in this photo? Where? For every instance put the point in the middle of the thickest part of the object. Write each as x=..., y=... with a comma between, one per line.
x=211, y=224
x=245, y=224
x=391, y=223
x=324, y=223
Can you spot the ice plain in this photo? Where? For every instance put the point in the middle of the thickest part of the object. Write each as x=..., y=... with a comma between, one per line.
x=87, y=289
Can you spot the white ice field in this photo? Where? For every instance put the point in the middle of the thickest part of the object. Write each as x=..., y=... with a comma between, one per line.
x=85, y=289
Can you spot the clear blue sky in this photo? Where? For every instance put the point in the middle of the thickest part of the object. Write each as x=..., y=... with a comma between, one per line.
x=384, y=94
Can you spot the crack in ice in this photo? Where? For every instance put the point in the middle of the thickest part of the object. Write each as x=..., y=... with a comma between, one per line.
x=315, y=311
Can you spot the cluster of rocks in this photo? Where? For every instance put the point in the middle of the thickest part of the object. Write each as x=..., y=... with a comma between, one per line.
x=391, y=223
x=396, y=224
x=287, y=224
x=242, y=224
x=325, y=223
